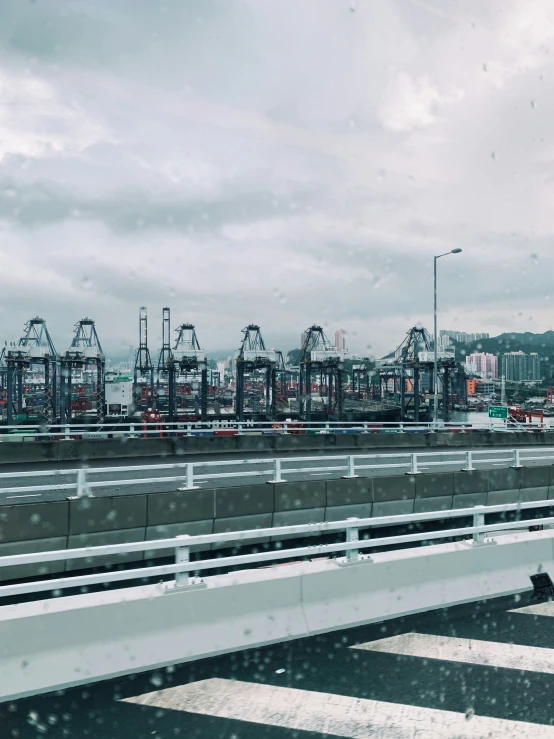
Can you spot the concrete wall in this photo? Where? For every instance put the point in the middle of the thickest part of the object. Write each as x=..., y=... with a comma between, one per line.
x=66, y=451
x=125, y=518
x=96, y=636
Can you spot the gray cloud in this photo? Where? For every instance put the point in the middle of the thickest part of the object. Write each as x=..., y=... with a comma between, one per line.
x=275, y=162
x=130, y=211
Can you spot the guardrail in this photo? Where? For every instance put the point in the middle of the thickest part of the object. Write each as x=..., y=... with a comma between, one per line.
x=351, y=547
x=57, y=432
x=273, y=469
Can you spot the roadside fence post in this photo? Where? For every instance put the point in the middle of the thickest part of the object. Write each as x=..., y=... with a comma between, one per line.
x=83, y=488
x=352, y=534
x=182, y=556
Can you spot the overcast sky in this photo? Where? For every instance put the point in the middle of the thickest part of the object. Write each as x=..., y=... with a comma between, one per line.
x=280, y=162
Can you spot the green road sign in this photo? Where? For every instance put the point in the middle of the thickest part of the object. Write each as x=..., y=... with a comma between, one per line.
x=498, y=411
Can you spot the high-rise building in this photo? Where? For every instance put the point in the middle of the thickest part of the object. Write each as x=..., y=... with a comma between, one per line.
x=461, y=336
x=482, y=364
x=534, y=367
x=339, y=340
x=521, y=367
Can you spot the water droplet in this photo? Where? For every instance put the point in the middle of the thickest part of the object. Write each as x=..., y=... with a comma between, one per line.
x=470, y=713
x=280, y=671
x=485, y=68
x=493, y=155
x=157, y=680
x=533, y=104
x=87, y=283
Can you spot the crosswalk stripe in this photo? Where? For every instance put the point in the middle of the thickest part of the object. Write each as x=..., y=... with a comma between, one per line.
x=344, y=716
x=473, y=651
x=546, y=608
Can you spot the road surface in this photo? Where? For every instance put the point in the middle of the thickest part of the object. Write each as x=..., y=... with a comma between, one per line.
x=478, y=670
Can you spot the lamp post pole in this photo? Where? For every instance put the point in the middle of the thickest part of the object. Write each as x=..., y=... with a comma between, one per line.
x=435, y=336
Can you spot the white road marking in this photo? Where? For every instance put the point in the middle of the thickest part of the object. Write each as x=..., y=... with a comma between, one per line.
x=315, y=474
x=31, y=495
x=546, y=608
x=354, y=718
x=472, y=651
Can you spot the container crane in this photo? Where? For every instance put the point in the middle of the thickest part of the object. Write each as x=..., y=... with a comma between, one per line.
x=363, y=370
x=254, y=357
x=318, y=355
x=187, y=357
x=85, y=354
x=34, y=348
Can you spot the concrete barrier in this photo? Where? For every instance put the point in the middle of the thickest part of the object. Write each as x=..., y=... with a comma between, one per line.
x=85, y=638
x=120, y=448
x=474, y=481
x=397, y=487
x=410, y=581
x=24, y=452
x=295, y=495
x=168, y=531
x=88, y=515
x=435, y=485
x=180, y=506
x=349, y=491
x=243, y=523
x=208, y=510
x=18, y=572
x=100, y=538
x=135, y=626
x=71, y=450
x=33, y=521
x=244, y=500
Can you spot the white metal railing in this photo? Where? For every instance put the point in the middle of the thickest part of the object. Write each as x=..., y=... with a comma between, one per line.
x=350, y=547
x=138, y=429
x=272, y=470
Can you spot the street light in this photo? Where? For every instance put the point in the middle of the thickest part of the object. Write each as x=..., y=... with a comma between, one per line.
x=436, y=339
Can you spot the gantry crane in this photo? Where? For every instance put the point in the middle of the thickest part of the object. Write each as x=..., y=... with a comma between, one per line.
x=319, y=356
x=254, y=357
x=363, y=370
x=85, y=353
x=35, y=347
x=187, y=357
